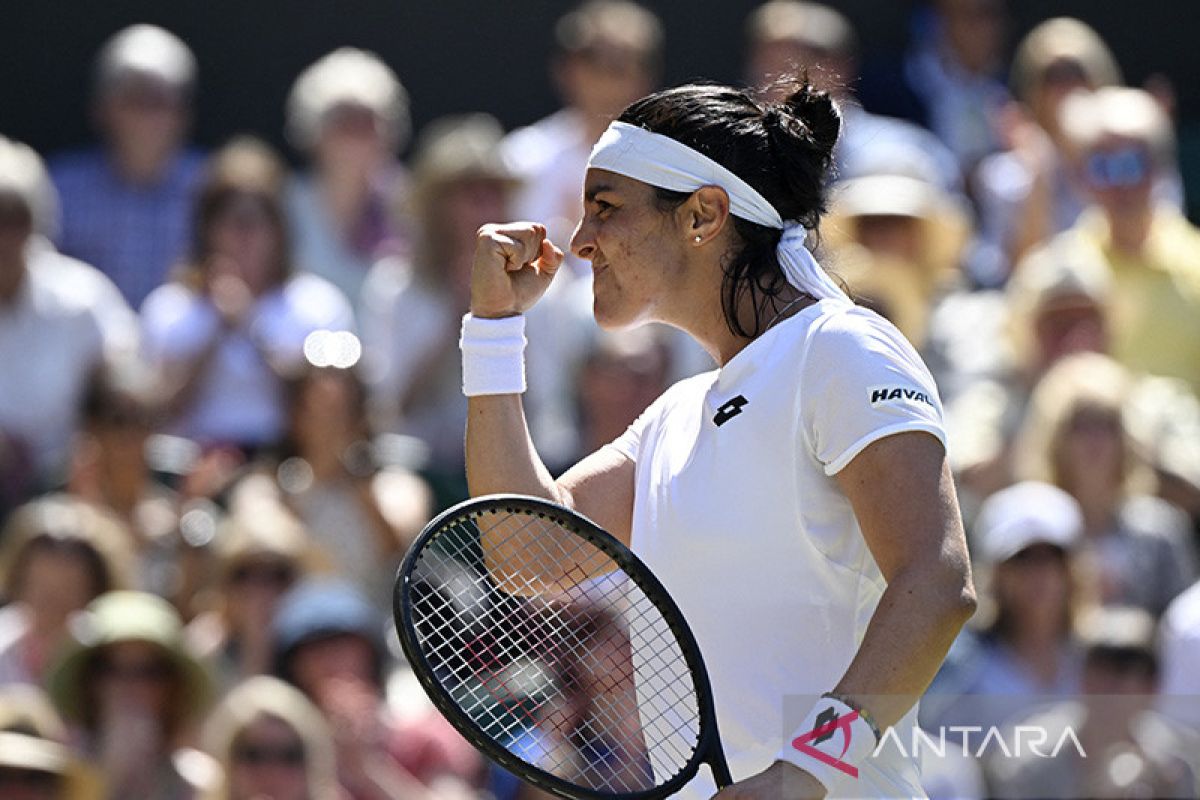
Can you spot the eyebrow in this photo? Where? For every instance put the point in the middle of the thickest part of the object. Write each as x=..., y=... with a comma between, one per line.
x=590, y=194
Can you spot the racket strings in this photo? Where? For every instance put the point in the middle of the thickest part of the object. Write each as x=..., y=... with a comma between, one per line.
x=555, y=653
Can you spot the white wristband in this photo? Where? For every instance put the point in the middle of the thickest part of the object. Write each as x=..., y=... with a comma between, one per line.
x=831, y=744
x=493, y=355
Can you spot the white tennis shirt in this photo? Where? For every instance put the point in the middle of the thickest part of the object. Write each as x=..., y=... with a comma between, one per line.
x=737, y=512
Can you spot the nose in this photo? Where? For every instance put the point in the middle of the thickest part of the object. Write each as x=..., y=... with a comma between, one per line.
x=583, y=244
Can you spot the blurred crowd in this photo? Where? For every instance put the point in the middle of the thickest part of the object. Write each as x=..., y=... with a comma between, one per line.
x=230, y=397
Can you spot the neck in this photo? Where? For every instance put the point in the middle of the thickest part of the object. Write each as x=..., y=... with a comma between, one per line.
x=139, y=166
x=1038, y=647
x=346, y=193
x=11, y=278
x=1128, y=231
x=1096, y=502
x=123, y=489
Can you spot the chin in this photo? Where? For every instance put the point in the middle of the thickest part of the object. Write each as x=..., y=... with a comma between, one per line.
x=610, y=317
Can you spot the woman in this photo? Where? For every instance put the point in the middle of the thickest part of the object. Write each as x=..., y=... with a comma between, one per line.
x=1027, y=538
x=411, y=311
x=1075, y=437
x=849, y=567
x=348, y=113
x=134, y=689
x=1029, y=192
x=59, y=554
x=227, y=334
x=262, y=550
x=273, y=743
x=360, y=514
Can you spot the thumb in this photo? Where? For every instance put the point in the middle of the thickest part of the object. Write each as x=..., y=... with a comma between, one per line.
x=549, y=259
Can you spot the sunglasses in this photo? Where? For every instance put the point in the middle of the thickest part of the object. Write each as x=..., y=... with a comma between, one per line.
x=255, y=755
x=274, y=575
x=1064, y=73
x=29, y=778
x=145, y=671
x=1117, y=169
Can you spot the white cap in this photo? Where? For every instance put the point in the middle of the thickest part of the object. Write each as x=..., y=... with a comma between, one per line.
x=1025, y=514
x=23, y=176
x=146, y=51
x=347, y=76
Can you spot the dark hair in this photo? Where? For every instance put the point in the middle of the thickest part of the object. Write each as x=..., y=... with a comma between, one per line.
x=245, y=167
x=782, y=149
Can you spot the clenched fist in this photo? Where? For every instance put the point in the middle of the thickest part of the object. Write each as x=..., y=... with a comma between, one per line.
x=514, y=264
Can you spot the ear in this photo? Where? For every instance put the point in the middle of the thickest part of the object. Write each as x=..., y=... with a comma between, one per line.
x=705, y=213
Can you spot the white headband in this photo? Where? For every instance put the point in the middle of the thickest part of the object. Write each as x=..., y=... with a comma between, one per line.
x=669, y=164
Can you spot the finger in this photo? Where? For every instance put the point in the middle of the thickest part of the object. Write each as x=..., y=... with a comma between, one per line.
x=550, y=259
x=520, y=243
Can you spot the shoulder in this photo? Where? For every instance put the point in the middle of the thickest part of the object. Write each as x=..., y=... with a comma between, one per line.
x=1181, y=620
x=68, y=283
x=1153, y=518
x=169, y=305
x=853, y=337
x=77, y=165
x=533, y=145
x=312, y=297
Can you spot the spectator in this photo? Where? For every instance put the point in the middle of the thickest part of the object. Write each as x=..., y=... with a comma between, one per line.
x=262, y=550
x=412, y=311
x=125, y=204
x=1055, y=307
x=622, y=374
x=1025, y=538
x=133, y=687
x=110, y=469
x=785, y=37
x=1031, y=190
x=1180, y=633
x=348, y=113
x=1125, y=144
x=273, y=743
x=35, y=761
x=608, y=53
x=232, y=328
x=1128, y=750
x=58, y=555
x=55, y=311
x=328, y=643
x=899, y=240
x=1075, y=437
x=950, y=79
x=360, y=512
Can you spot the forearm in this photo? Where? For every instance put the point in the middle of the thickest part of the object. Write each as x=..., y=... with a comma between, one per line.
x=500, y=453
x=917, y=619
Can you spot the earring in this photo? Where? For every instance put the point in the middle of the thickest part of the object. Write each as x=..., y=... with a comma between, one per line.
x=698, y=240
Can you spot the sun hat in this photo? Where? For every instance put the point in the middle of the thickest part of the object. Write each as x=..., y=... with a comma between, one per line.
x=125, y=617
x=319, y=609
x=1026, y=514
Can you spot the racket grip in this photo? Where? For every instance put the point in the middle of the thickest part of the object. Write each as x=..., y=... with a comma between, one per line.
x=720, y=768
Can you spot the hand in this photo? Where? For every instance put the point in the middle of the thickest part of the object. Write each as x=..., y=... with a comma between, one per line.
x=513, y=267
x=780, y=781
x=229, y=293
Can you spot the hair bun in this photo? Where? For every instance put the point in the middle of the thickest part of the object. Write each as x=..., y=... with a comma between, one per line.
x=809, y=114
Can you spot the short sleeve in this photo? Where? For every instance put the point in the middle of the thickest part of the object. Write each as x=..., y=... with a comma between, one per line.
x=629, y=442
x=862, y=381
x=640, y=433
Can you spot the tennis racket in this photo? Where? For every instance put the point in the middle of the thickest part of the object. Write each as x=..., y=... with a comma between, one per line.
x=556, y=652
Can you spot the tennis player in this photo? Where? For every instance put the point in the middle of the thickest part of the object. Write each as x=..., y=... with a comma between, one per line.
x=795, y=502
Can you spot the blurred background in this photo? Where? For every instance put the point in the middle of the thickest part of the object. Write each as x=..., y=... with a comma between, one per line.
x=235, y=246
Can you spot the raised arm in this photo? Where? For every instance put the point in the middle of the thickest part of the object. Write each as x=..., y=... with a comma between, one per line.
x=513, y=267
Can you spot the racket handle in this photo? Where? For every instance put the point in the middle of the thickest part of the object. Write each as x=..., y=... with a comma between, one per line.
x=720, y=768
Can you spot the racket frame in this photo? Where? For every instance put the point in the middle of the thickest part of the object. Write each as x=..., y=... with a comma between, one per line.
x=708, y=748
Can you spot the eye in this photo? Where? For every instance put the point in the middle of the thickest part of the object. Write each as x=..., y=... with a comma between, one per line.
x=603, y=208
